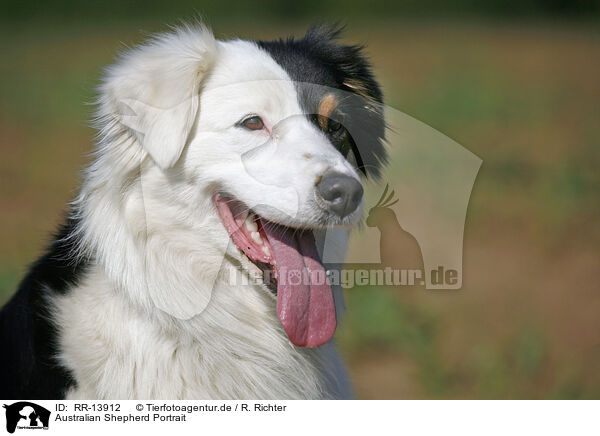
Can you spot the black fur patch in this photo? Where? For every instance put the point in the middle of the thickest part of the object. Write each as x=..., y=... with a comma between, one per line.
x=28, y=337
x=319, y=59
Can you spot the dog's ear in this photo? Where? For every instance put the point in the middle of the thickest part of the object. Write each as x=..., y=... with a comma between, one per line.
x=153, y=90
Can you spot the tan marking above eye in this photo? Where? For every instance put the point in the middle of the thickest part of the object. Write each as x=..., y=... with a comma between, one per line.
x=326, y=108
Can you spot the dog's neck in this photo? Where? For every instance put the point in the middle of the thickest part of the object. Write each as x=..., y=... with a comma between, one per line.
x=153, y=248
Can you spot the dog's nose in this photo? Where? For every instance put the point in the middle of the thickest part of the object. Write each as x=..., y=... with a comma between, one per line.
x=341, y=193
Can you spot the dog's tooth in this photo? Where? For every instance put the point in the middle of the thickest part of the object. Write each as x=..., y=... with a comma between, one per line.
x=256, y=237
x=251, y=225
x=266, y=250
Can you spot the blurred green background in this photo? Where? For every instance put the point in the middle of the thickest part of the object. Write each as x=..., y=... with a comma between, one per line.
x=517, y=83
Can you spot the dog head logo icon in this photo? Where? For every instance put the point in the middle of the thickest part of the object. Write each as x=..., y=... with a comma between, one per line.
x=26, y=415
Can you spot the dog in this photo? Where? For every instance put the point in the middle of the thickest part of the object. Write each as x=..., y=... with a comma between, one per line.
x=216, y=163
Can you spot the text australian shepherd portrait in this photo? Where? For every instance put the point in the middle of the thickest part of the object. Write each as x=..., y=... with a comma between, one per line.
x=214, y=160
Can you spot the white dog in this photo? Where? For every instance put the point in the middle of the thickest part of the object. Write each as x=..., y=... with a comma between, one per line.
x=218, y=162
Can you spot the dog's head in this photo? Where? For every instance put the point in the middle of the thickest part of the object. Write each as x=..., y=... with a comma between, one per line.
x=276, y=134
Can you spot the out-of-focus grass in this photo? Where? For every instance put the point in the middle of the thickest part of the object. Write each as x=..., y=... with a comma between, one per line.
x=523, y=97
x=523, y=324
x=8, y=281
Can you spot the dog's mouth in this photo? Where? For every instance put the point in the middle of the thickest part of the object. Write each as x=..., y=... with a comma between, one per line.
x=304, y=299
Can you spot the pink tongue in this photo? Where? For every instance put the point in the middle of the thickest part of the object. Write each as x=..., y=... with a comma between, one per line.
x=304, y=299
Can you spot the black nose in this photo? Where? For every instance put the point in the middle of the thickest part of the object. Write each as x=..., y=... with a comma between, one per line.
x=341, y=193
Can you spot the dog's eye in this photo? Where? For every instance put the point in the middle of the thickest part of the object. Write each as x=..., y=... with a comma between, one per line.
x=253, y=123
x=334, y=126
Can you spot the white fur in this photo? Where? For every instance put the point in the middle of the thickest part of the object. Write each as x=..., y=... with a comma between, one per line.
x=156, y=316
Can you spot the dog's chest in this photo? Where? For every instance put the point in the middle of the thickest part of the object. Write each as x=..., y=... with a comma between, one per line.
x=114, y=351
